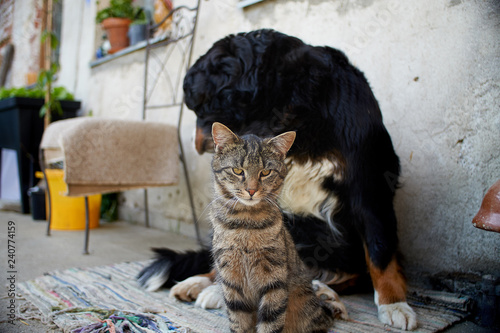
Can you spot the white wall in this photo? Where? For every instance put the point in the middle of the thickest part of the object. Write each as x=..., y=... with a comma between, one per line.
x=77, y=48
x=433, y=66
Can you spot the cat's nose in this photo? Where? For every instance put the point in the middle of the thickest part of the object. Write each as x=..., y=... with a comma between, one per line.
x=251, y=192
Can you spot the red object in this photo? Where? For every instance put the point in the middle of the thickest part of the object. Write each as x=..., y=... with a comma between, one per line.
x=488, y=217
x=117, y=29
x=169, y=4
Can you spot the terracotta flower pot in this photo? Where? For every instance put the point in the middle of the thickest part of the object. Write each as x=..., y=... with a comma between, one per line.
x=116, y=29
x=488, y=217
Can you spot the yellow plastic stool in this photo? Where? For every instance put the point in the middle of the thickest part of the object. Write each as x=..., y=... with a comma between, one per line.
x=68, y=213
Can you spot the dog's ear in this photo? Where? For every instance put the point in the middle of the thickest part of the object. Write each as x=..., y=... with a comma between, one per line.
x=222, y=136
x=282, y=143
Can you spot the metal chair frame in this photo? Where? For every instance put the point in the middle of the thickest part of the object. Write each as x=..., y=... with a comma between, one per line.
x=182, y=31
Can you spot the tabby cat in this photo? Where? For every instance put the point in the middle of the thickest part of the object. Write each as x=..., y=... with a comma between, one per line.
x=265, y=285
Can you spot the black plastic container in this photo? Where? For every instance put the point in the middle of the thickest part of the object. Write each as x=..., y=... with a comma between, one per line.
x=21, y=129
x=38, y=210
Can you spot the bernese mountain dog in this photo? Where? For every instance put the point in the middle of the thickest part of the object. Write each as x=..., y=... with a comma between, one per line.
x=343, y=171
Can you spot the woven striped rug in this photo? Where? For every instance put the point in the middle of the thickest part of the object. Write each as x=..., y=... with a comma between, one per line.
x=107, y=299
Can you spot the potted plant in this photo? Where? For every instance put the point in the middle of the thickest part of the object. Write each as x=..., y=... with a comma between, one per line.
x=116, y=20
x=26, y=112
x=21, y=127
x=137, y=31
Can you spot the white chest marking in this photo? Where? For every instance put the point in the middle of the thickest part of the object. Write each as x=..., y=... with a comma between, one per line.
x=303, y=193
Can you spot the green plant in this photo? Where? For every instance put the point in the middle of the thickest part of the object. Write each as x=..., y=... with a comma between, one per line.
x=44, y=82
x=21, y=92
x=140, y=18
x=120, y=9
x=58, y=93
x=47, y=75
x=109, y=207
x=139, y=22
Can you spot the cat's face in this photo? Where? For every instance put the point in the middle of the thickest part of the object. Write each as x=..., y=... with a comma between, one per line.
x=249, y=169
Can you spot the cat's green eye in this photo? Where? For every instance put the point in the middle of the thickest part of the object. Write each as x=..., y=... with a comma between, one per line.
x=238, y=171
x=265, y=172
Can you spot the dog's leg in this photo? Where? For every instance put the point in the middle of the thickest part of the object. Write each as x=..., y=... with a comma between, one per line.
x=390, y=295
x=189, y=289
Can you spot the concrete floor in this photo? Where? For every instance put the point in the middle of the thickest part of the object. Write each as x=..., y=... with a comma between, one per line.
x=35, y=254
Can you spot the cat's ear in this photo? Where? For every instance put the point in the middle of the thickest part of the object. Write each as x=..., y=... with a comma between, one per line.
x=283, y=142
x=222, y=136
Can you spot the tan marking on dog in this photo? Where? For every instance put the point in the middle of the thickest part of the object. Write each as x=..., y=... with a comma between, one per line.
x=341, y=278
x=389, y=283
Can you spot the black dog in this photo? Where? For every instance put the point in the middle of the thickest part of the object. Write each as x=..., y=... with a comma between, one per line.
x=343, y=171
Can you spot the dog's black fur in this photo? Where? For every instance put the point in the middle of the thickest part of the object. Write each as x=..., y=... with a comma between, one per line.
x=266, y=83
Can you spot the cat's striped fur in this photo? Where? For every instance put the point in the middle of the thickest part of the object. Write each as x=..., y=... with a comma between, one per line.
x=266, y=286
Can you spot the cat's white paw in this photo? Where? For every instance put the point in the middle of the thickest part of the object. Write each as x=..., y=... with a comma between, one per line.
x=399, y=315
x=329, y=295
x=210, y=298
x=189, y=289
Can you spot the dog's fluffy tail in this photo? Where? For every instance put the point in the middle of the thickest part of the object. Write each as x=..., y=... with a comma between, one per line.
x=170, y=267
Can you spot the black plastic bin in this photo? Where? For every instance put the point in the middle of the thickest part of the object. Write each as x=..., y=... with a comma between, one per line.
x=38, y=211
x=21, y=129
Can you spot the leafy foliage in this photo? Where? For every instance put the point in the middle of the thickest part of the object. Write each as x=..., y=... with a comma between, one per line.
x=57, y=94
x=54, y=42
x=120, y=9
x=21, y=92
x=109, y=207
x=60, y=93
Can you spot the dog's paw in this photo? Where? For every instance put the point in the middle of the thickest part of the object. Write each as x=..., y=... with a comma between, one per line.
x=399, y=315
x=329, y=295
x=189, y=289
x=210, y=298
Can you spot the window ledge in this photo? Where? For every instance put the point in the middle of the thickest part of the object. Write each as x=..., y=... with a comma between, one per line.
x=246, y=3
x=130, y=49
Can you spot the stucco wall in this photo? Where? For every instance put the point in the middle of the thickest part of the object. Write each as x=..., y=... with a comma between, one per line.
x=435, y=69
x=25, y=35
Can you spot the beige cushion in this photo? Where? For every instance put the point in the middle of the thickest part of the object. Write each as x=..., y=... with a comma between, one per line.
x=109, y=155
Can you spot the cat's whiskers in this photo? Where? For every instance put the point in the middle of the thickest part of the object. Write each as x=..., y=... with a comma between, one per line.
x=280, y=199
x=234, y=205
x=275, y=198
x=272, y=202
x=229, y=204
x=211, y=203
